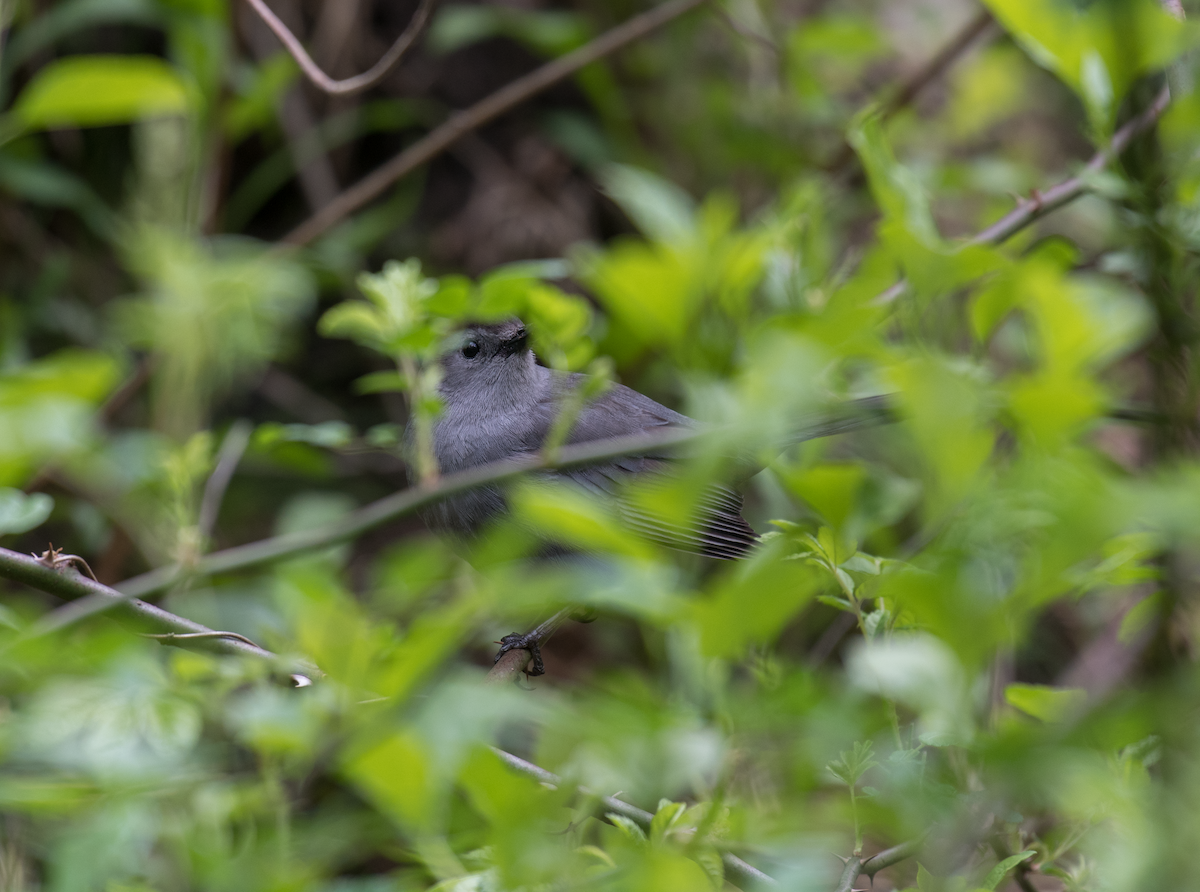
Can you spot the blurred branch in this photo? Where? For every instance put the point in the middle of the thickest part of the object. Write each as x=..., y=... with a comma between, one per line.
x=738, y=870
x=849, y=416
x=1039, y=204
x=856, y=866
x=941, y=61
x=922, y=78
x=237, y=438
x=487, y=109
x=888, y=857
x=71, y=585
x=350, y=85
x=317, y=178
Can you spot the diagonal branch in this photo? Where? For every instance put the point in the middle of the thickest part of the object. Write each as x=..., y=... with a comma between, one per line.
x=232, y=447
x=849, y=416
x=1030, y=210
x=1042, y=203
x=169, y=628
x=461, y=123
x=739, y=871
x=350, y=85
x=941, y=61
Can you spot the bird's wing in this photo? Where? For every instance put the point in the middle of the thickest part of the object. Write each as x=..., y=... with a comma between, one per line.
x=718, y=529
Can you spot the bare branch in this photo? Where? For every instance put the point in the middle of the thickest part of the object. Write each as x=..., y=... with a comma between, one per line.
x=922, y=78
x=739, y=871
x=888, y=857
x=1032, y=209
x=461, y=123
x=237, y=438
x=849, y=416
x=360, y=82
x=1042, y=203
x=69, y=584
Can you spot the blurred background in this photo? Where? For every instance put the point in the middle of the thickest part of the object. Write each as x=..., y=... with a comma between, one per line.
x=975, y=627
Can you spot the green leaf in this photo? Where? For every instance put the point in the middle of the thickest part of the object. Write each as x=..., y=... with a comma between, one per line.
x=665, y=818
x=658, y=207
x=997, y=873
x=94, y=91
x=1097, y=49
x=627, y=826
x=20, y=513
x=381, y=382
x=852, y=764
x=1045, y=703
x=396, y=776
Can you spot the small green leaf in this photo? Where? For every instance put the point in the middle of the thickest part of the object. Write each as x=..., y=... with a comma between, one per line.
x=94, y=91
x=380, y=382
x=851, y=765
x=658, y=207
x=664, y=819
x=20, y=513
x=998, y=872
x=1045, y=703
x=627, y=826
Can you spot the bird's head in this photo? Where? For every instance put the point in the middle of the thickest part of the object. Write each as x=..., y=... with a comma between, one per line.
x=493, y=358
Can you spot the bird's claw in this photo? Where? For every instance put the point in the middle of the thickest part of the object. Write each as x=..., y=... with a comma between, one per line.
x=528, y=641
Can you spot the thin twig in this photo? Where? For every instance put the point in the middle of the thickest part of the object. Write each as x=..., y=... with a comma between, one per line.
x=941, y=61
x=461, y=123
x=169, y=637
x=237, y=438
x=739, y=870
x=72, y=585
x=350, y=85
x=1030, y=210
x=888, y=857
x=315, y=174
x=1042, y=203
x=922, y=78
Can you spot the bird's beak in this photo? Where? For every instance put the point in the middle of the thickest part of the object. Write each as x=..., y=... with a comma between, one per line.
x=518, y=342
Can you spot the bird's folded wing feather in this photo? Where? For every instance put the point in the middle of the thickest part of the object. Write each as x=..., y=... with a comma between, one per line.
x=718, y=529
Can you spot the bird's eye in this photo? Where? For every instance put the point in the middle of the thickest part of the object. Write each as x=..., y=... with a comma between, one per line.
x=470, y=350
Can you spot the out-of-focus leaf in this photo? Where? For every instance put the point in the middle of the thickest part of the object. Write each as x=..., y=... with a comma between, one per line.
x=46, y=409
x=908, y=229
x=551, y=32
x=752, y=602
x=997, y=873
x=923, y=674
x=46, y=184
x=93, y=91
x=1045, y=703
x=64, y=19
x=395, y=775
x=214, y=313
x=125, y=724
x=20, y=512
x=1097, y=50
x=658, y=207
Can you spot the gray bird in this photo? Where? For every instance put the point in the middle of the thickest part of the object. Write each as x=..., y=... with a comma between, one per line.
x=498, y=403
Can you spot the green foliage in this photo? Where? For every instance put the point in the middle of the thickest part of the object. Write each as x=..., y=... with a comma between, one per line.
x=972, y=627
x=92, y=91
